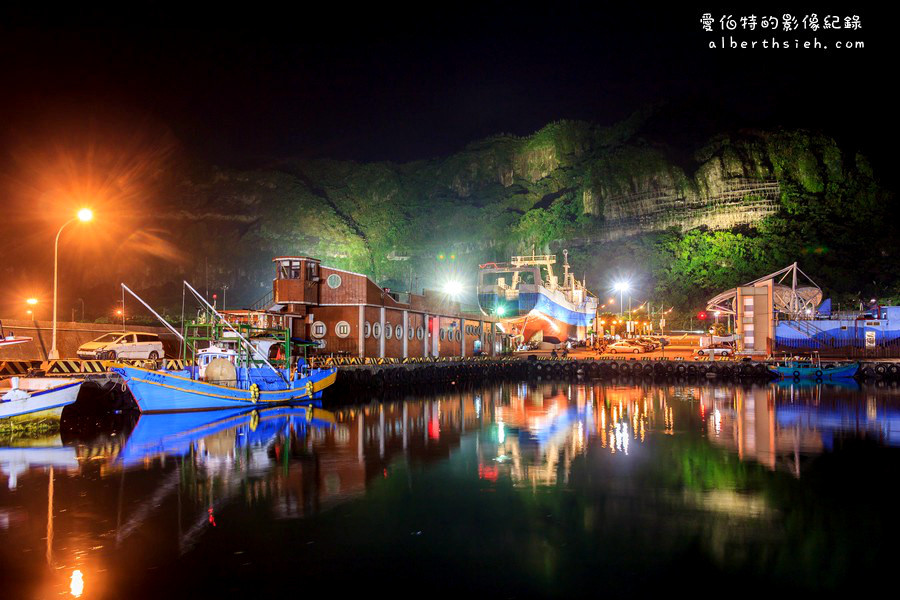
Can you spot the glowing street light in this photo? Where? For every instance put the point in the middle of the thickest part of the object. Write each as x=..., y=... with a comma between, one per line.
x=31, y=301
x=84, y=215
x=501, y=310
x=622, y=287
x=453, y=288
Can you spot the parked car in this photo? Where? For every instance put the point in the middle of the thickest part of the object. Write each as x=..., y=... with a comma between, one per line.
x=652, y=343
x=715, y=350
x=625, y=347
x=123, y=344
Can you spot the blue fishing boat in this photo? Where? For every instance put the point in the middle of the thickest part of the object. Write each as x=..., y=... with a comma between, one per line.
x=812, y=368
x=164, y=391
x=241, y=367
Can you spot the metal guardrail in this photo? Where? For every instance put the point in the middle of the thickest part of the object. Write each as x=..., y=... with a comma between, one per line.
x=264, y=302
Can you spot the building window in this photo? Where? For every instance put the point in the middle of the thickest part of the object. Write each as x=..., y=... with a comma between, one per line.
x=367, y=329
x=388, y=331
x=420, y=333
x=398, y=333
x=442, y=335
x=458, y=335
x=342, y=329
x=376, y=330
x=319, y=329
x=289, y=269
x=334, y=281
x=312, y=270
x=409, y=333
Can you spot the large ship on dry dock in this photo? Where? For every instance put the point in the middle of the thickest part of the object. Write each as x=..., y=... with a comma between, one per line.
x=532, y=303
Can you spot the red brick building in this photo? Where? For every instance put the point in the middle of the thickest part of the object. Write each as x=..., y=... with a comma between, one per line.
x=348, y=313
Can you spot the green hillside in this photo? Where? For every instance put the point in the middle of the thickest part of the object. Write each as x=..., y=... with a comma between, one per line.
x=683, y=224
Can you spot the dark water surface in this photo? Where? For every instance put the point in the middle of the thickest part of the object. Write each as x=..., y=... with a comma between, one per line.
x=510, y=490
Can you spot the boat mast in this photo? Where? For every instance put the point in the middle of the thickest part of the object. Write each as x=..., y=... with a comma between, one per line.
x=155, y=314
x=252, y=348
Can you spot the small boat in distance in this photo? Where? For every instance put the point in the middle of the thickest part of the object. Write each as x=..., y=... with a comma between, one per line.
x=8, y=338
x=812, y=368
x=233, y=371
x=28, y=401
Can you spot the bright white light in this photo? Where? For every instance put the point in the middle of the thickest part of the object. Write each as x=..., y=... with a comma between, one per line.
x=85, y=214
x=76, y=584
x=453, y=288
x=501, y=310
x=622, y=286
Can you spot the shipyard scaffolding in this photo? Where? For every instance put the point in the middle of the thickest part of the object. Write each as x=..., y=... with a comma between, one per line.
x=784, y=311
x=788, y=295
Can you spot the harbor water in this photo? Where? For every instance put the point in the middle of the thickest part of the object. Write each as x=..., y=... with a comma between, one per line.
x=519, y=489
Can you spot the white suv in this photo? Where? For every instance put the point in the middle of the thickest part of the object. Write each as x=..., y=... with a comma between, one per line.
x=123, y=344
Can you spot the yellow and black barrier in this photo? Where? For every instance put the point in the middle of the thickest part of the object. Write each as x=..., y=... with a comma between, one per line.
x=18, y=367
x=64, y=367
x=93, y=366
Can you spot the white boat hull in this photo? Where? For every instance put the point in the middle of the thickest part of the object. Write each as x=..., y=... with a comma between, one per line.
x=46, y=398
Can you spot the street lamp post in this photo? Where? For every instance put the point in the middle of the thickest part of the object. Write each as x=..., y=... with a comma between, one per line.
x=84, y=215
x=31, y=302
x=622, y=287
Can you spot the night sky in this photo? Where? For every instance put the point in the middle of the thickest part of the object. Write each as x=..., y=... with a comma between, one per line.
x=415, y=81
x=242, y=88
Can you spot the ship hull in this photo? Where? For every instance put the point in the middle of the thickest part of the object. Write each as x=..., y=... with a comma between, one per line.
x=540, y=311
x=47, y=398
x=160, y=391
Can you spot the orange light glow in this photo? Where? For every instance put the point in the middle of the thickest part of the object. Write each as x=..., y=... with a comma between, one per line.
x=85, y=215
x=32, y=301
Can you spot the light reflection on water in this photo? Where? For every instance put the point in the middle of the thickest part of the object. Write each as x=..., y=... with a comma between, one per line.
x=562, y=479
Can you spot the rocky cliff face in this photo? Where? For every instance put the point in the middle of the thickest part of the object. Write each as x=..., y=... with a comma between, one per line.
x=570, y=182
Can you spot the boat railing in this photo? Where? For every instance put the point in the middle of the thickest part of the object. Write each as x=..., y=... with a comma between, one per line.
x=534, y=259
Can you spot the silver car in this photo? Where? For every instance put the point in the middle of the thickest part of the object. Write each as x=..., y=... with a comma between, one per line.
x=123, y=344
x=715, y=350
